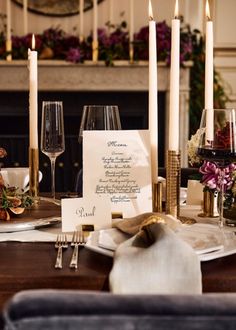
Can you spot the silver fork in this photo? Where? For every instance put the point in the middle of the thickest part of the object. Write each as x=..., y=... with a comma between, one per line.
x=77, y=239
x=61, y=243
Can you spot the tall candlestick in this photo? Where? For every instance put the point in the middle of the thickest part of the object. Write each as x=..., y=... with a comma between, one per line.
x=152, y=102
x=8, y=37
x=131, y=30
x=81, y=21
x=33, y=96
x=111, y=11
x=95, y=20
x=209, y=76
x=95, y=31
x=25, y=16
x=174, y=82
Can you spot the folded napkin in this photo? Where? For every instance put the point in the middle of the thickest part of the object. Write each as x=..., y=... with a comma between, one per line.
x=155, y=260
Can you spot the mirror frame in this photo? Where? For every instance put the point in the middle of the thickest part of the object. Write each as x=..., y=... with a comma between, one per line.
x=64, y=8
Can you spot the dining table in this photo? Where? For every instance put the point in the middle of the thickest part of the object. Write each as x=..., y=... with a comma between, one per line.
x=30, y=265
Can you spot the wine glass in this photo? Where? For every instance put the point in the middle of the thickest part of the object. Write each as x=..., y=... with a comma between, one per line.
x=52, y=135
x=96, y=117
x=217, y=145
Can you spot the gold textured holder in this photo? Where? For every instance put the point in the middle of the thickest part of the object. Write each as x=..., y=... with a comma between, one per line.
x=157, y=197
x=34, y=172
x=131, y=54
x=209, y=206
x=173, y=183
x=8, y=49
x=95, y=51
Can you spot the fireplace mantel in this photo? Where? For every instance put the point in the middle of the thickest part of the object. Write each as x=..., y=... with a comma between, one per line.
x=63, y=76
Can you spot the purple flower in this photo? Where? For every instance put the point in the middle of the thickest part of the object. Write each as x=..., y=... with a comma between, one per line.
x=73, y=55
x=213, y=175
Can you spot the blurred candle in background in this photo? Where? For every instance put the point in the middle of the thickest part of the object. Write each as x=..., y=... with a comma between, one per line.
x=152, y=95
x=81, y=20
x=25, y=16
x=209, y=76
x=8, y=36
x=33, y=96
x=111, y=12
x=131, y=30
x=95, y=21
x=95, y=32
x=174, y=82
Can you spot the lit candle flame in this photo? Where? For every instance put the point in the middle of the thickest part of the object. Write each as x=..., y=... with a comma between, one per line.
x=208, y=15
x=176, y=8
x=33, y=41
x=150, y=11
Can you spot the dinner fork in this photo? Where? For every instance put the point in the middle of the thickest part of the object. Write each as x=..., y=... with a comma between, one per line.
x=77, y=239
x=61, y=243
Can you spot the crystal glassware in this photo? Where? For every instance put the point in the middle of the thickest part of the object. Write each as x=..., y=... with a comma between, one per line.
x=217, y=144
x=52, y=134
x=96, y=117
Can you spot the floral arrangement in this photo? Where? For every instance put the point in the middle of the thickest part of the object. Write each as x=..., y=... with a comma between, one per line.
x=11, y=201
x=212, y=176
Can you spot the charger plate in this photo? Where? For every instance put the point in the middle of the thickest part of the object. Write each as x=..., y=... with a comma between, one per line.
x=43, y=214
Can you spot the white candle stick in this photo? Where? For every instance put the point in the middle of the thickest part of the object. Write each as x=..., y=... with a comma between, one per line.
x=33, y=96
x=131, y=21
x=174, y=83
x=8, y=36
x=131, y=31
x=152, y=96
x=111, y=12
x=25, y=16
x=209, y=76
x=81, y=20
x=95, y=21
x=8, y=5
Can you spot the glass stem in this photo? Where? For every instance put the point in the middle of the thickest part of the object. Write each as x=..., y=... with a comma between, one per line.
x=53, y=162
x=221, y=198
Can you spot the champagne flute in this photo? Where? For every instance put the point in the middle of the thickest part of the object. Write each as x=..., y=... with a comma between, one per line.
x=52, y=135
x=96, y=117
x=217, y=145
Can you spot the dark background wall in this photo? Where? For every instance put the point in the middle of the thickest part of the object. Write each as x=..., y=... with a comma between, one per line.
x=14, y=128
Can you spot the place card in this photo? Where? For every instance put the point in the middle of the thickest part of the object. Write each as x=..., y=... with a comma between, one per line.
x=116, y=165
x=80, y=212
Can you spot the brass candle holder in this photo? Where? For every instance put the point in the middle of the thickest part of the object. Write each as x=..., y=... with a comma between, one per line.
x=34, y=172
x=173, y=183
x=157, y=197
x=95, y=51
x=131, y=54
x=8, y=49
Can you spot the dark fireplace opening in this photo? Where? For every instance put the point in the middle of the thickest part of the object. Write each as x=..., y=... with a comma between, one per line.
x=14, y=132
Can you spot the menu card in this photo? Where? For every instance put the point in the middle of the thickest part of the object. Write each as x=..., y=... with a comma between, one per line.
x=116, y=166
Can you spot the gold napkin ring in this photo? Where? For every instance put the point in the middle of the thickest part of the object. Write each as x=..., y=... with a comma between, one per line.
x=150, y=221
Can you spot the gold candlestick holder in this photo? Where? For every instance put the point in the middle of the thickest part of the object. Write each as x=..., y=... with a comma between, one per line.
x=95, y=51
x=8, y=49
x=157, y=197
x=34, y=172
x=173, y=183
x=131, y=54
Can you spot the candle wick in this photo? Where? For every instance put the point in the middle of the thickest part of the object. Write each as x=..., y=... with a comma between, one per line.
x=151, y=18
x=208, y=18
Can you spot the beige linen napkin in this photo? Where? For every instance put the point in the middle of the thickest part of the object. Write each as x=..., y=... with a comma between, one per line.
x=155, y=260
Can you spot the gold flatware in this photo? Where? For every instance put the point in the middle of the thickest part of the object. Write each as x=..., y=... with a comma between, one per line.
x=77, y=239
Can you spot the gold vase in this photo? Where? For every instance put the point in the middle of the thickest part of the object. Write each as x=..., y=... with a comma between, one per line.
x=209, y=207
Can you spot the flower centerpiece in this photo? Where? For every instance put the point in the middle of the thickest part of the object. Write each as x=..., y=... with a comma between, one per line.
x=210, y=173
x=12, y=202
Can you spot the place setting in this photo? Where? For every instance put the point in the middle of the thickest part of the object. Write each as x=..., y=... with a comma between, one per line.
x=121, y=206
